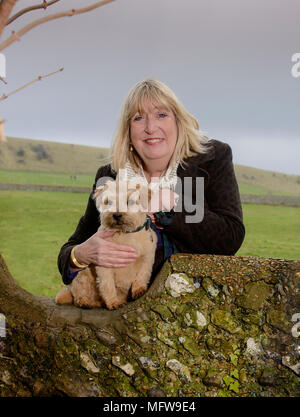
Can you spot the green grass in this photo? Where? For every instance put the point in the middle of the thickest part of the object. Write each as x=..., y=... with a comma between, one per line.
x=86, y=180
x=245, y=188
x=34, y=225
x=271, y=231
x=45, y=178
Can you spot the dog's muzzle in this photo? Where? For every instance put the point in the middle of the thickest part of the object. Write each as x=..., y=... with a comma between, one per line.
x=117, y=217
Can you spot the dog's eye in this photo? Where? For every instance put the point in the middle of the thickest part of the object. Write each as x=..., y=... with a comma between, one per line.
x=107, y=202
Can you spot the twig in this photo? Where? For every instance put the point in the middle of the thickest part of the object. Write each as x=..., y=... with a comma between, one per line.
x=39, y=78
x=3, y=80
x=27, y=28
x=44, y=5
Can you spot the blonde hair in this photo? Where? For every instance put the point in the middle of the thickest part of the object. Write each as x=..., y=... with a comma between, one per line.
x=190, y=139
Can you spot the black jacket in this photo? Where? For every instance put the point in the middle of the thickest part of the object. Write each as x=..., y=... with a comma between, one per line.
x=221, y=232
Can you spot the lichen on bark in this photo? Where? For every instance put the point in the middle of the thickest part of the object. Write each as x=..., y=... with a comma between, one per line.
x=208, y=326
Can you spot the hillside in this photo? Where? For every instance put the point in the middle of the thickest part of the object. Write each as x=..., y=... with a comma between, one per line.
x=259, y=181
x=21, y=158
x=39, y=155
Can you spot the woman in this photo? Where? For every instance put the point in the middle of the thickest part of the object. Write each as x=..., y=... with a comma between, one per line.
x=157, y=140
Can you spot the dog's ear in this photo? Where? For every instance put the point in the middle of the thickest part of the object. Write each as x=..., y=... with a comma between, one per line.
x=99, y=190
x=102, y=184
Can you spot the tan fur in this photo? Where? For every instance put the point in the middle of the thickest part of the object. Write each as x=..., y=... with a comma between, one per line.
x=97, y=286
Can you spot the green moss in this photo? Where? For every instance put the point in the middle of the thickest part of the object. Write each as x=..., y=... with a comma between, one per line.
x=256, y=293
x=190, y=345
x=225, y=320
x=163, y=311
x=252, y=318
x=278, y=319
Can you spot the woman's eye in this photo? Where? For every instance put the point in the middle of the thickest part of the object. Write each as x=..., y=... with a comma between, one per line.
x=137, y=118
x=162, y=115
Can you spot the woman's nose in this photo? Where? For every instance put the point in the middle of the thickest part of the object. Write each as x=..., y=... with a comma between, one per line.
x=150, y=125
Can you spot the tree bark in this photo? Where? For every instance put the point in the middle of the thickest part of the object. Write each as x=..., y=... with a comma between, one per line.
x=5, y=10
x=208, y=326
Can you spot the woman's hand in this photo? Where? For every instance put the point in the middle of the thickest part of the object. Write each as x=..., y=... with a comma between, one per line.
x=99, y=251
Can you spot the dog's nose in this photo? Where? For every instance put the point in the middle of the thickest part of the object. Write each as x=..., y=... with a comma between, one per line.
x=117, y=216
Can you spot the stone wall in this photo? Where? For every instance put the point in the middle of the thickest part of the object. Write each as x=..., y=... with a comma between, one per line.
x=273, y=200
x=208, y=326
x=49, y=188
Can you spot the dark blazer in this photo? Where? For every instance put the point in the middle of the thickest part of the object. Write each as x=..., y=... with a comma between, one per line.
x=221, y=231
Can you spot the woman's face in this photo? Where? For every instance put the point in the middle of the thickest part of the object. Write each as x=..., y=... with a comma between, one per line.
x=153, y=134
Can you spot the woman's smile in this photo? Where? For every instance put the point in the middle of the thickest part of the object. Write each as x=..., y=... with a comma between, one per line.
x=153, y=141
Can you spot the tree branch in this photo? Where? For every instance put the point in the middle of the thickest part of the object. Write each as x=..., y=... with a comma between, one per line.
x=16, y=36
x=39, y=78
x=44, y=5
x=6, y=7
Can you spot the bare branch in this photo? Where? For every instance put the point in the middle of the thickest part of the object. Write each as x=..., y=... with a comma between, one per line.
x=27, y=28
x=39, y=78
x=3, y=80
x=6, y=7
x=44, y=5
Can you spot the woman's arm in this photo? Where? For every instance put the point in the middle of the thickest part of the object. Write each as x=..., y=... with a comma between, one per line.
x=221, y=231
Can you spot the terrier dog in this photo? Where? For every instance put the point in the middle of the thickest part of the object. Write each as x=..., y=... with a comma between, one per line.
x=123, y=209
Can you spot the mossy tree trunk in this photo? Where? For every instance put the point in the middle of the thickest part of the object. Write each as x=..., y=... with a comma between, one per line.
x=208, y=326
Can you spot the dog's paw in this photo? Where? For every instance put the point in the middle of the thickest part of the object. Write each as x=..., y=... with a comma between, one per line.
x=113, y=305
x=82, y=304
x=87, y=303
x=137, y=292
x=64, y=296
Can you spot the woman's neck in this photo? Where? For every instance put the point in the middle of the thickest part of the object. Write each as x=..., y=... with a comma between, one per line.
x=154, y=171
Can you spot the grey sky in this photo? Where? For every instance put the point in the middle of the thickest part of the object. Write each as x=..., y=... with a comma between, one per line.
x=229, y=61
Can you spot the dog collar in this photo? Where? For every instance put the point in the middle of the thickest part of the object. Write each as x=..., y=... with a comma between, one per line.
x=146, y=225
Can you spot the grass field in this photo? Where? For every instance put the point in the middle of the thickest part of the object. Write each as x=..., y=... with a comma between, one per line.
x=34, y=225
x=255, y=189
x=86, y=180
x=28, y=161
x=46, y=178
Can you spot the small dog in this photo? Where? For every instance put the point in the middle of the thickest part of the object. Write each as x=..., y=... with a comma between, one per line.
x=123, y=209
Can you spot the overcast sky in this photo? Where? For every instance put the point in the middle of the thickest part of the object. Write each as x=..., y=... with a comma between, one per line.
x=228, y=61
